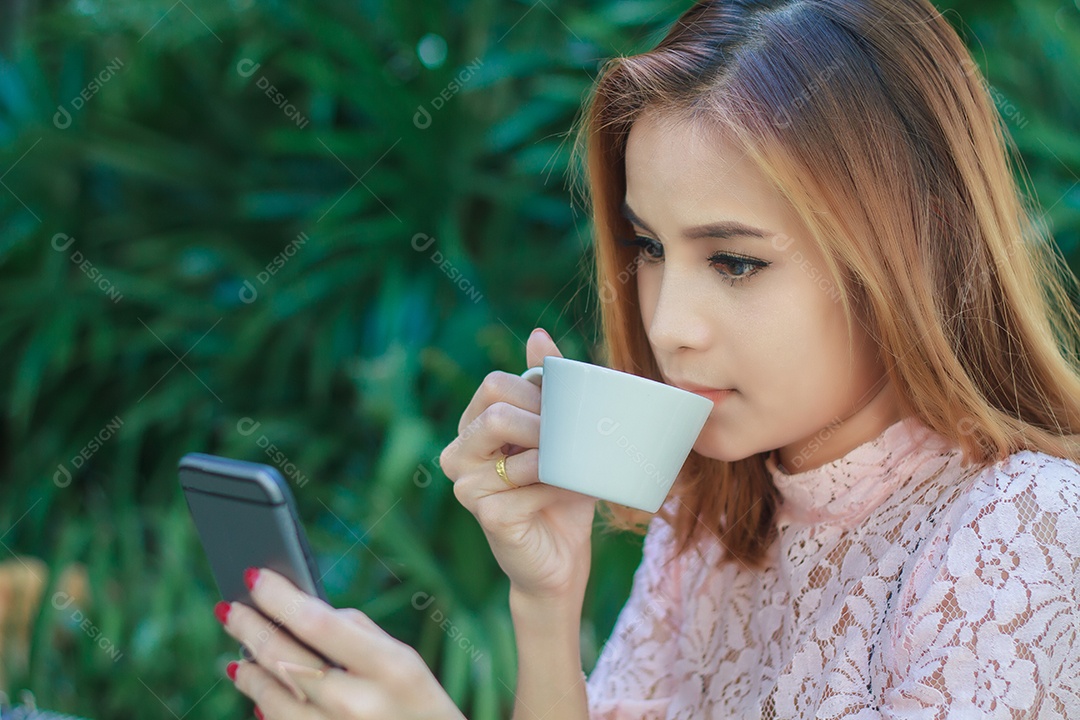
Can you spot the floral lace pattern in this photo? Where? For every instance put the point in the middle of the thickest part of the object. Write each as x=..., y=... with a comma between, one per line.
x=902, y=585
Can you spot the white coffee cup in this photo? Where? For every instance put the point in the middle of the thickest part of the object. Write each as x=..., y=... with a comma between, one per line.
x=613, y=435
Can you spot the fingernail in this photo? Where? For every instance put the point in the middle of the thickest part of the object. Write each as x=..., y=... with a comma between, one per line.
x=230, y=670
x=542, y=331
x=250, y=576
x=258, y=713
x=221, y=611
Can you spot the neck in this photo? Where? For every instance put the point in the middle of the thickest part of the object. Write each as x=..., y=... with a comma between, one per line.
x=839, y=438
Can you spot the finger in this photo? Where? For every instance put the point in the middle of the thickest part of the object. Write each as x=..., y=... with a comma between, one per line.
x=354, y=615
x=317, y=624
x=471, y=489
x=274, y=701
x=496, y=387
x=521, y=469
x=538, y=346
x=499, y=386
x=338, y=693
x=521, y=394
x=507, y=509
x=266, y=641
x=499, y=424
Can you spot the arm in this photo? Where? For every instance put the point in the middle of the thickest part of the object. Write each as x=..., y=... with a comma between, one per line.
x=633, y=677
x=550, y=681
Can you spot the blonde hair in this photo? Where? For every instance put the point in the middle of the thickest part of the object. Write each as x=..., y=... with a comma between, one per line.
x=871, y=118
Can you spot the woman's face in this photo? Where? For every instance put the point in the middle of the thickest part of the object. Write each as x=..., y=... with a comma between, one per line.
x=754, y=314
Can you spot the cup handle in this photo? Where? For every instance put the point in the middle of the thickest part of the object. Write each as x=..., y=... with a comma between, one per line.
x=534, y=375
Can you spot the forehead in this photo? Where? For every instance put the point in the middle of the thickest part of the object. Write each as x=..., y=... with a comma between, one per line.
x=655, y=132
x=681, y=173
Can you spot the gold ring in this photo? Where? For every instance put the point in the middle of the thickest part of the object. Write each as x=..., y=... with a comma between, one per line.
x=500, y=467
x=289, y=670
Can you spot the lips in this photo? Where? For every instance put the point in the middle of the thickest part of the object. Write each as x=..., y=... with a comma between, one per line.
x=699, y=389
x=717, y=395
x=714, y=395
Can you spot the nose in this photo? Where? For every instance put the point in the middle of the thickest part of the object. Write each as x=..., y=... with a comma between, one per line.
x=680, y=317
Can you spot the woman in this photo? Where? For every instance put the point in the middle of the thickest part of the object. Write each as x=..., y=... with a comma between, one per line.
x=808, y=203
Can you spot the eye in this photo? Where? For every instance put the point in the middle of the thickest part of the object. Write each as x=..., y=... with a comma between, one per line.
x=743, y=267
x=731, y=268
x=652, y=251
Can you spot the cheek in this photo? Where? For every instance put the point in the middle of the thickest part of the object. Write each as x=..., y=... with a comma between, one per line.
x=828, y=358
x=778, y=323
x=790, y=346
x=869, y=368
x=648, y=288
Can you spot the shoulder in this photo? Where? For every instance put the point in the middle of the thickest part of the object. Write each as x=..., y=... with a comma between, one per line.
x=989, y=612
x=1013, y=493
x=1010, y=525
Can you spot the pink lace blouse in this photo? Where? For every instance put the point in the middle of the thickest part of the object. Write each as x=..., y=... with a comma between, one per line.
x=902, y=585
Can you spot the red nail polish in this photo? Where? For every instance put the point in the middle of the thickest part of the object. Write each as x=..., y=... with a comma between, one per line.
x=230, y=670
x=221, y=611
x=250, y=576
x=258, y=713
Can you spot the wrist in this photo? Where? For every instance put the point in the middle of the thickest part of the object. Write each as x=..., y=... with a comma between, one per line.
x=565, y=606
x=547, y=632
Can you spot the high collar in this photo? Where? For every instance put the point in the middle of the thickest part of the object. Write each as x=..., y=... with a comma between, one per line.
x=846, y=490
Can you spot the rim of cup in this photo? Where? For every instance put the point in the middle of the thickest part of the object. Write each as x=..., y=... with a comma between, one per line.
x=620, y=375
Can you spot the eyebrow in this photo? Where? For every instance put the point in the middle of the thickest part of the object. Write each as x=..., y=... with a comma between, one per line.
x=719, y=230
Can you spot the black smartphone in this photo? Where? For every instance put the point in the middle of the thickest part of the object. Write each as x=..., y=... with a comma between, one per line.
x=246, y=517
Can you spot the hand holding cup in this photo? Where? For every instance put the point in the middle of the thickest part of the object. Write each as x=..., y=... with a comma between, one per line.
x=540, y=535
x=531, y=478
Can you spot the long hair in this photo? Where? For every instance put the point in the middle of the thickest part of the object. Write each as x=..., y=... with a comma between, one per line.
x=872, y=119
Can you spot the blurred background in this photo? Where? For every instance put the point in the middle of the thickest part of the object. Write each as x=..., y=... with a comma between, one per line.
x=301, y=233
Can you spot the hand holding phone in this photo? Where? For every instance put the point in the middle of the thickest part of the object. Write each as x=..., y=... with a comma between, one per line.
x=246, y=517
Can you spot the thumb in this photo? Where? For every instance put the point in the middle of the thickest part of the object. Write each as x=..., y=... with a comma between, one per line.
x=539, y=346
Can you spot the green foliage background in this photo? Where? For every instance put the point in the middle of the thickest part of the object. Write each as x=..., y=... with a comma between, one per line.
x=180, y=178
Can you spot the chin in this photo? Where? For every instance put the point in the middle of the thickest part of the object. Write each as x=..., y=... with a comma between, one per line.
x=714, y=449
